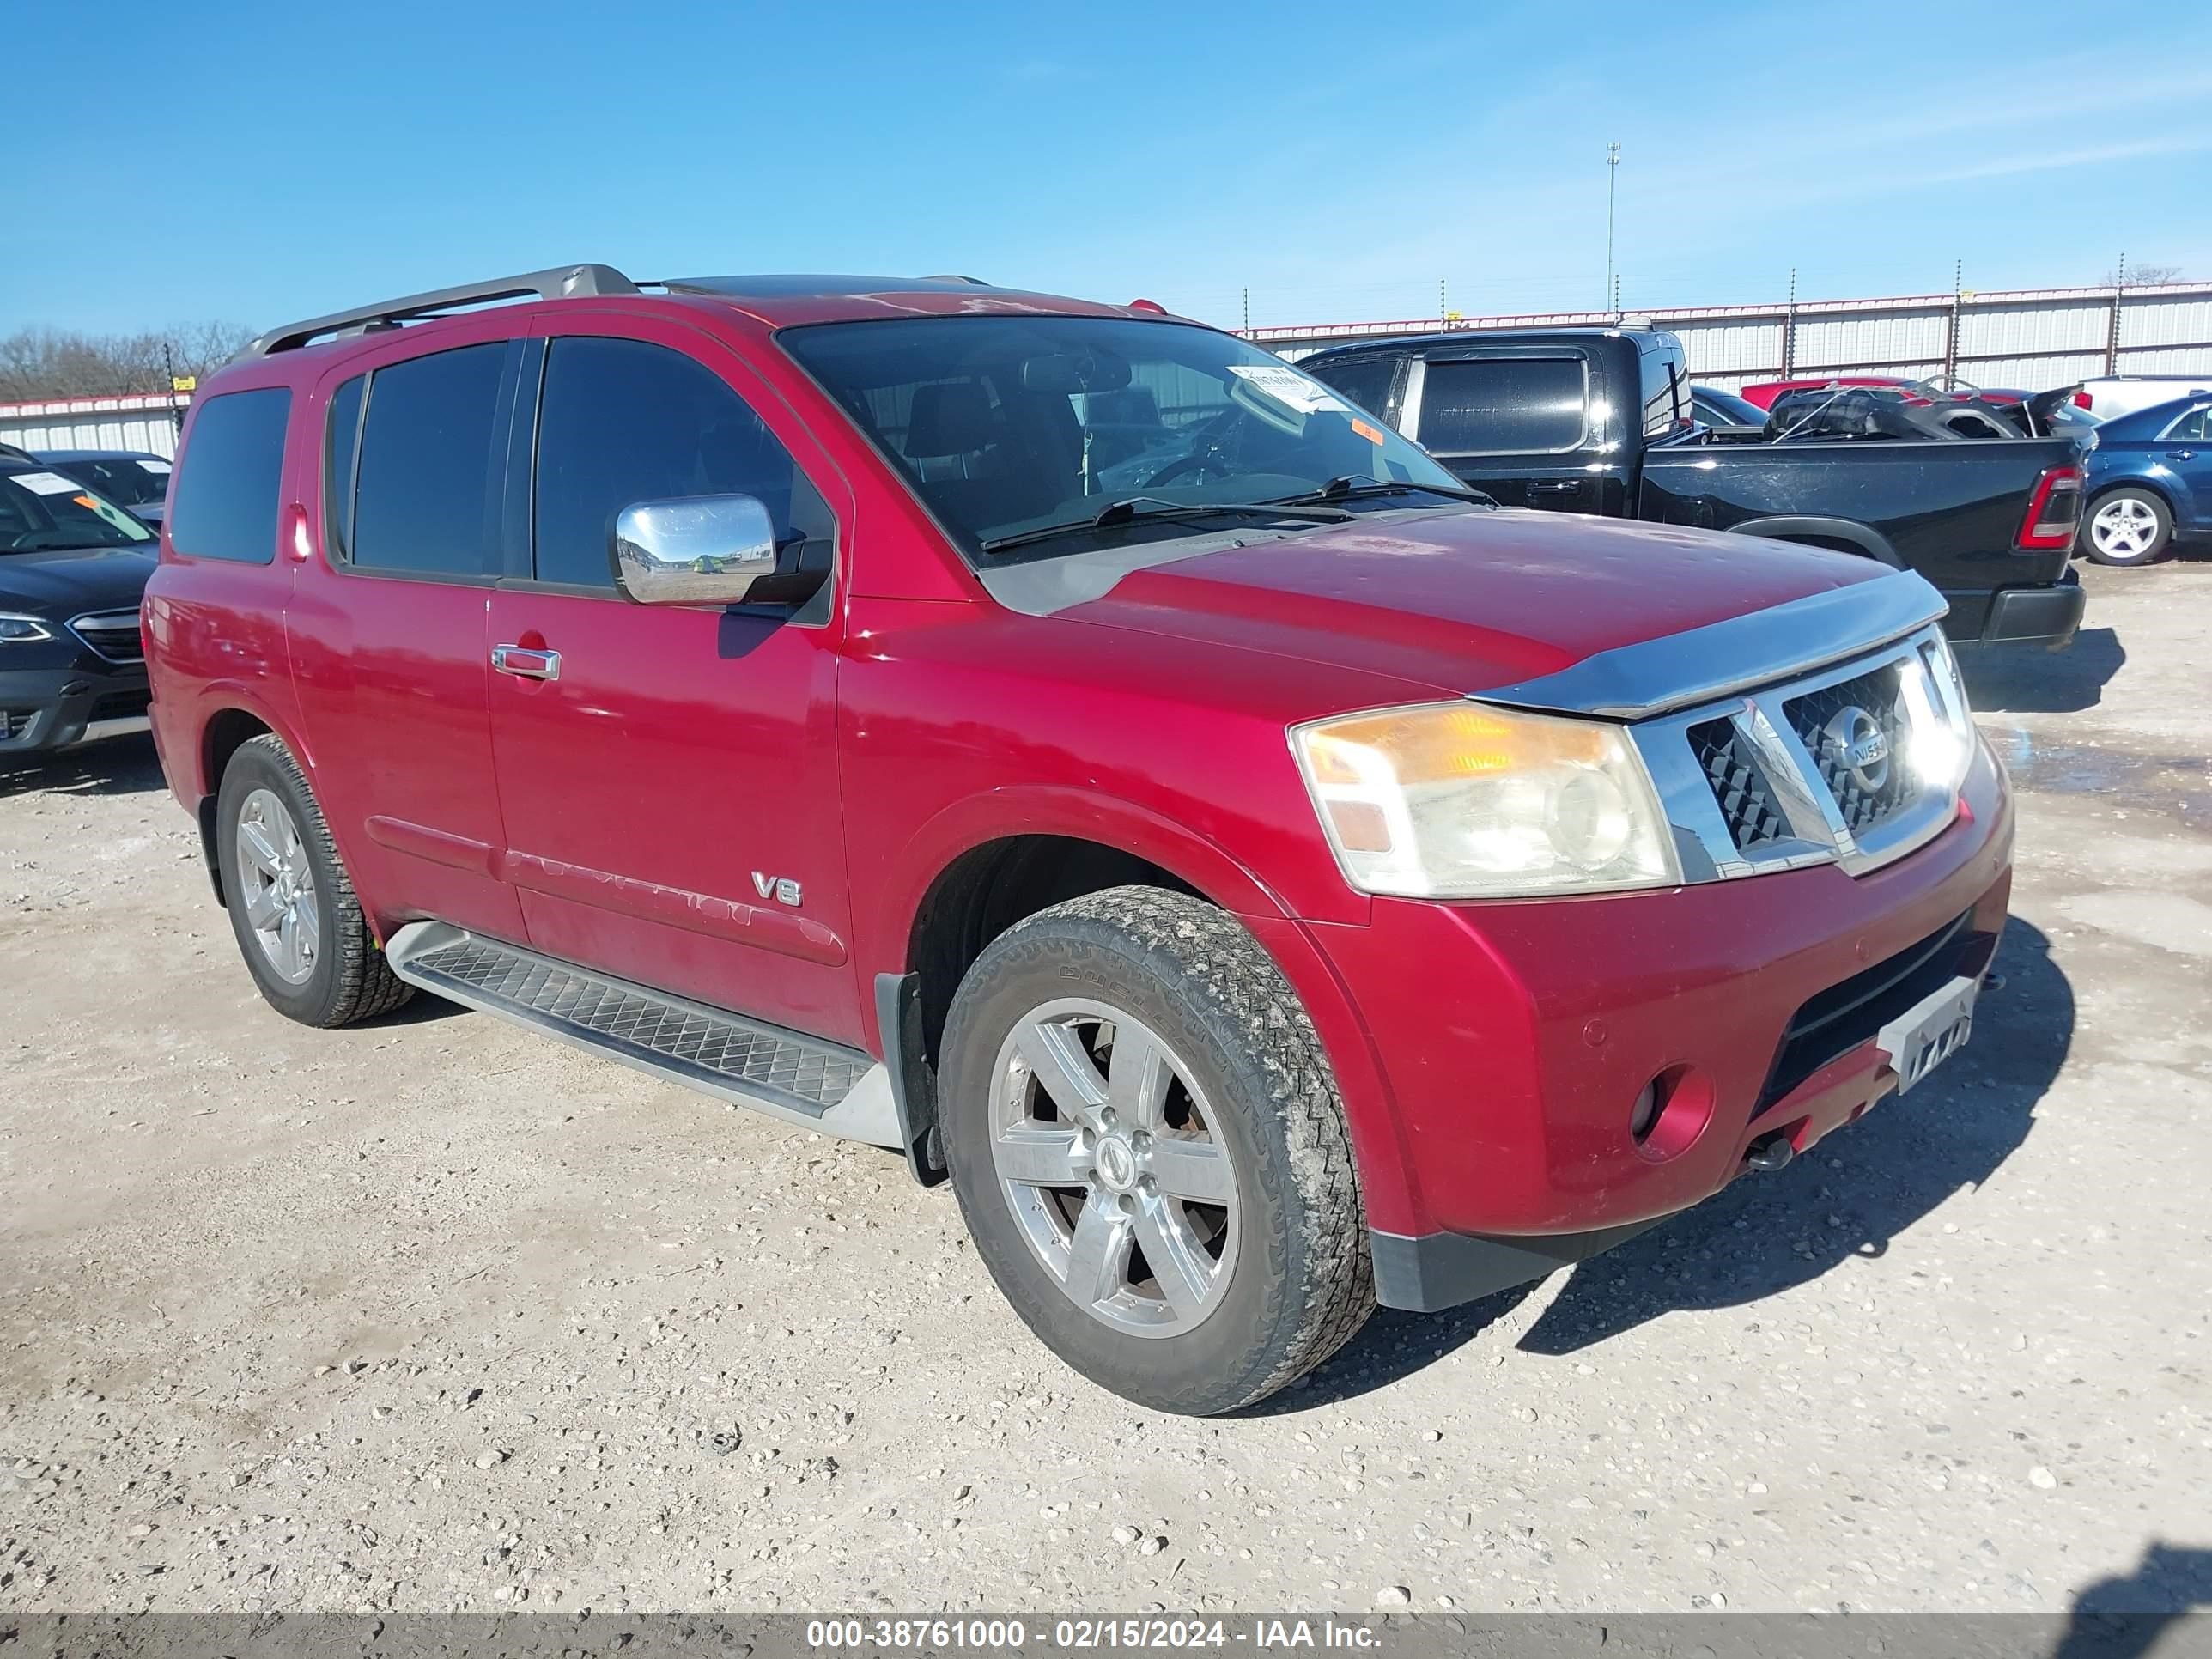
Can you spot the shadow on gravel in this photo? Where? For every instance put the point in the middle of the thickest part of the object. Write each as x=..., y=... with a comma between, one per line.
x=2007, y=679
x=2120, y=1618
x=1770, y=1233
x=114, y=765
x=1857, y=1190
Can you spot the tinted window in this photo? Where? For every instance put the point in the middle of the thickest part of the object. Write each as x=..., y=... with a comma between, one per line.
x=428, y=493
x=623, y=422
x=227, y=482
x=2194, y=426
x=1503, y=405
x=1365, y=382
x=340, y=443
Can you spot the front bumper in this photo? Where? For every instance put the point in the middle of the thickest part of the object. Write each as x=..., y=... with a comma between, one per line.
x=47, y=708
x=1515, y=1040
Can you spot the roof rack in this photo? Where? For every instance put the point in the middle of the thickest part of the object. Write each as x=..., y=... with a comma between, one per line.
x=564, y=282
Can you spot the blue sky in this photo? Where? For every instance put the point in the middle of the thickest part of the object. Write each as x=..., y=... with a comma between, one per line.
x=243, y=162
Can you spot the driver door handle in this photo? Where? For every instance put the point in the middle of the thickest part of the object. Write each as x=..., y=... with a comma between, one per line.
x=525, y=663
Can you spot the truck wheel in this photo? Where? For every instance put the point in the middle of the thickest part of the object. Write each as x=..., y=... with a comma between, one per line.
x=1149, y=1152
x=298, y=926
x=2128, y=527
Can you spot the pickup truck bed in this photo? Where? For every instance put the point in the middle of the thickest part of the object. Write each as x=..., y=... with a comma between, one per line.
x=1550, y=419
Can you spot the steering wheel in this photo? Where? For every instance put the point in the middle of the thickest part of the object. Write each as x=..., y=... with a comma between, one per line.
x=1207, y=447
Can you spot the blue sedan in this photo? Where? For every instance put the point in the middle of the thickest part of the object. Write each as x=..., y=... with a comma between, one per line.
x=2150, y=480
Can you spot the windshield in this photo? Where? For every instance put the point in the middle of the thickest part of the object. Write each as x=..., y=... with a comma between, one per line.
x=126, y=480
x=42, y=511
x=1007, y=425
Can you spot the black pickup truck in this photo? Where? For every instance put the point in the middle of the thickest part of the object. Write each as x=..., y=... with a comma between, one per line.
x=1599, y=420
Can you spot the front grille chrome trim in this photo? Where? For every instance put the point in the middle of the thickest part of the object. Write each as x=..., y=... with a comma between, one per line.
x=102, y=632
x=1818, y=830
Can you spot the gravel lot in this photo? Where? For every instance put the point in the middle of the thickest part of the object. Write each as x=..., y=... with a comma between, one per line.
x=433, y=1314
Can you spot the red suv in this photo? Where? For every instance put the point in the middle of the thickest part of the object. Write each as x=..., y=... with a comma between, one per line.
x=1068, y=745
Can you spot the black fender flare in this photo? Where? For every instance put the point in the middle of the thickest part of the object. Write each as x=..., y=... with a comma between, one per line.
x=1862, y=538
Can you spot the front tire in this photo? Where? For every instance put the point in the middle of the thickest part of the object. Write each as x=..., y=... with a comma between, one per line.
x=2127, y=527
x=292, y=907
x=1150, y=1153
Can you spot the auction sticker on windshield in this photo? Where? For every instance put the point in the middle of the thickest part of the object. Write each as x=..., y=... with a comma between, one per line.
x=1288, y=388
x=47, y=483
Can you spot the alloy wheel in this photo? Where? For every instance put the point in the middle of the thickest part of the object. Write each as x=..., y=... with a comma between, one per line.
x=2124, y=528
x=276, y=886
x=1107, y=1150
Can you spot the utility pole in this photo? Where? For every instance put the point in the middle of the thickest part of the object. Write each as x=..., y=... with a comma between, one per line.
x=1248, y=311
x=1611, y=173
x=1443, y=310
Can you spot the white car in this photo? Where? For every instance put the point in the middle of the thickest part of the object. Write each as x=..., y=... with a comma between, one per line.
x=2116, y=395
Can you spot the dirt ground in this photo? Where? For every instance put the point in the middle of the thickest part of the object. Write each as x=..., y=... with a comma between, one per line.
x=435, y=1315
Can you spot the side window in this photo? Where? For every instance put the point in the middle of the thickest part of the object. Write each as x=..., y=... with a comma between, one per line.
x=2192, y=426
x=341, y=444
x=1365, y=380
x=620, y=421
x=1503, y=405
x=428, y=495
x=1663, y=393
x=227, y=489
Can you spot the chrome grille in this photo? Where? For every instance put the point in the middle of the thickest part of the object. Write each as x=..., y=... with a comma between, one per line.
x=1817, y=719
x=1739, y=789
x=112, y=635
x=1845, y=766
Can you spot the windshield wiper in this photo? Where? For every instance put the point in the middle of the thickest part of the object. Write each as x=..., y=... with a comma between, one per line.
x=1357, y=486
x=1132, y=509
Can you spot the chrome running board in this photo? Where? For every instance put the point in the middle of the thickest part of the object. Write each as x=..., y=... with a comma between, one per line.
x=747, y=1062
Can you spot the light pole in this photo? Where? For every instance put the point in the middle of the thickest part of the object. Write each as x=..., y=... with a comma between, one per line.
x=1611, y=173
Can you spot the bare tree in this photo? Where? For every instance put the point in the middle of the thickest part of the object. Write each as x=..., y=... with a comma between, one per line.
x=46, y=363
x=2141, y=276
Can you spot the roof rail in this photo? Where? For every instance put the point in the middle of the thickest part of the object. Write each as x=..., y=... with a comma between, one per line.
x=564, y=282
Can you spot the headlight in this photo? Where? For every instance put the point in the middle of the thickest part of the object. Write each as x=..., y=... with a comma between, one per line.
x=1943, y=737
x=1462, y=801
x=15, y=629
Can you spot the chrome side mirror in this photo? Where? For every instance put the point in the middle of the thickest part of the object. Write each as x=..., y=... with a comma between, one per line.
x=702, y=549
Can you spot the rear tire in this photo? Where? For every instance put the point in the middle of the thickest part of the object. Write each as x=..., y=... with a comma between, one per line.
x=2127, y=526
x=292, y=907
x=1194, y=1118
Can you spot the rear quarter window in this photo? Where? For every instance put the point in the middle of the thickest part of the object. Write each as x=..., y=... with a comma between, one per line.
x=224, y=504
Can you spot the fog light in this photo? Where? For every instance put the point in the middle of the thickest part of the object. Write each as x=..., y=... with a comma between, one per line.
x=1645, y=1112
x=1671, y=1112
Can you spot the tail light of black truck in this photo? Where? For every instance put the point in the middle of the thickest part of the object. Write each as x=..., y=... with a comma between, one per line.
x=2054, y=511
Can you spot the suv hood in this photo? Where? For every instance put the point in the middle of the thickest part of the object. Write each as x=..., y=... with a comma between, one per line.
x=1459, y=602
x=70, y=582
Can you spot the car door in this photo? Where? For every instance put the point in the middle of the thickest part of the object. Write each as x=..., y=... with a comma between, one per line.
x=2185, y=448
x=1516, y=422
x=668, y=774
x=386, y=631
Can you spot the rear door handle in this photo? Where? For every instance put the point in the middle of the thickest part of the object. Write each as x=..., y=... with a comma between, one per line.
x=526, y=663
x=1555, y=487
x=2180, y=455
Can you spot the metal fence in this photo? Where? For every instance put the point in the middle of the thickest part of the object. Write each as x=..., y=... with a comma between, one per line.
x=147, y=422
x=2036, y=338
